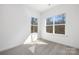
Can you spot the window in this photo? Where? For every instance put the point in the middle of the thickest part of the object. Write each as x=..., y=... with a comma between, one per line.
x=34, y=21
x=59, y=19
x=56, y=24
x=49, y=25
x=49, y=21
x=60, y=29
x=60, y=24
x=34, y=25
x=49, y=29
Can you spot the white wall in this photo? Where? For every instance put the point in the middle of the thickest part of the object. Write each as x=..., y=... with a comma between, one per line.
x=71, y=37
x=14, y=25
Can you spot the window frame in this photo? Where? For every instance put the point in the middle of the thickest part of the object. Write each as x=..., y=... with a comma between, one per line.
x=34, y=25
x=49, y=25
x=54, y=24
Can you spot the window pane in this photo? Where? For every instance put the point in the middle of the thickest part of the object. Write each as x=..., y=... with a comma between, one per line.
x=59, y=19
x=49, y=29
x=60, y=29
x=34, y=21
x=49, y=21
x=34, y=29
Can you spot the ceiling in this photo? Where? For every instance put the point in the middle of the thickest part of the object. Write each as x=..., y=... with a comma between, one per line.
x=41, y=7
